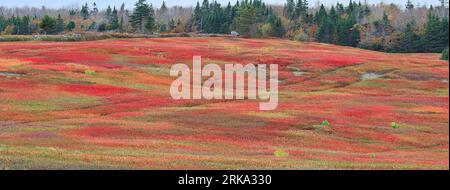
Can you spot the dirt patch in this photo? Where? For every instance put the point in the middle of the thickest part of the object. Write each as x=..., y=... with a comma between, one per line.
x=423, y=77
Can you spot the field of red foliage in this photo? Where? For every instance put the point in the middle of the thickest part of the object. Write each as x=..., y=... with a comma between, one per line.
x=106, y=105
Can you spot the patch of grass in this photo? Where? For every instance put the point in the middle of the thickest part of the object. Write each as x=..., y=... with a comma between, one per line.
x=75, y=100
x=36, y=106
x=325, y=124
x=372, y=84
x=268, y=49
x=395, y=125
x=158, y=70
x=234, y=49
x=281, y=153
x=301, y=38
x=14, y=38
x=90, y=72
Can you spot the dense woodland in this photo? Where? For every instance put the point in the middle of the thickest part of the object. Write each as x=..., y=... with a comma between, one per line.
x=381, y=27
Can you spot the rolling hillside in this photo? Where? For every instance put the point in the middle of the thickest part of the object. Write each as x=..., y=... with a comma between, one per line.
x=106, y=105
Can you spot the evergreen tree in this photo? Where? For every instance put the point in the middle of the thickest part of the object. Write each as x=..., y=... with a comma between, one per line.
x=114, y=20
x=108, y=14
x=444, y=55
x=2, y=23
x=150, y=21
x=197, y=17
x=164, y=15
x=140, y=15
x=48, y=25
x=289, y=9
x=436, y=34
x=70, y=26
x=301, y=9
x=59, y=24
x=228, y=19
x=323, y=35
x=84, y=11
x=94, y=9
x=321, y=15
x=340, y=27
x=409, y=40
x=14, y=25
x=273, y=26
x=102, y=27
x=245, y=20
x=172, y=25
x=409, y=5
x=24, y=25
x=213, y=18
x=93, y=26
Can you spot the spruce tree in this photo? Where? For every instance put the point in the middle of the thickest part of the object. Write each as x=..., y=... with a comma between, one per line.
x=245, y=20
x=150, y=20
x=436, y=33
x=94, y=9
x=409, y=40
x=289, y=9
x=114, y=20
x=2, y=23
x=24, y=25
x=84, y=11
x=59, y=24
x=140, y=14
x=48, y=25
x=108, y=13
x=70, y=26
x=409, y=5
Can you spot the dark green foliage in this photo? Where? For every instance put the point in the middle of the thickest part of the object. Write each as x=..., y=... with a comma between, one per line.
x=172, y=25
x=140, y=15
x=113, y=20
x=409, y=40
x=21, y=25
x=347, y=33
x=94, y=9
x=59, y=24
x=409, y=5
x=150, y=22
x=338, y=26
x=436, y=34
x=246, y=17
x=102, y=27
x=289, y=9
x=274, y=22
x=212, y=18
x=445, y=54
x=245, y=20
x=92, y=27
x=84, y=13
x=70, y=26
x=48, y=25
x=3, y=23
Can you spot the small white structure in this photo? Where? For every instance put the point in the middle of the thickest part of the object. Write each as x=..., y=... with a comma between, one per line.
x=234, y=33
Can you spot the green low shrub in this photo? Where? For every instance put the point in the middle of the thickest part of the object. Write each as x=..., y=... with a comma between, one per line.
x=445, y=54
x=395, y=125
x=301, y=37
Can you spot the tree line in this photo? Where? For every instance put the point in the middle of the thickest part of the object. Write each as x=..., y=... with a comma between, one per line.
x=382, y=27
